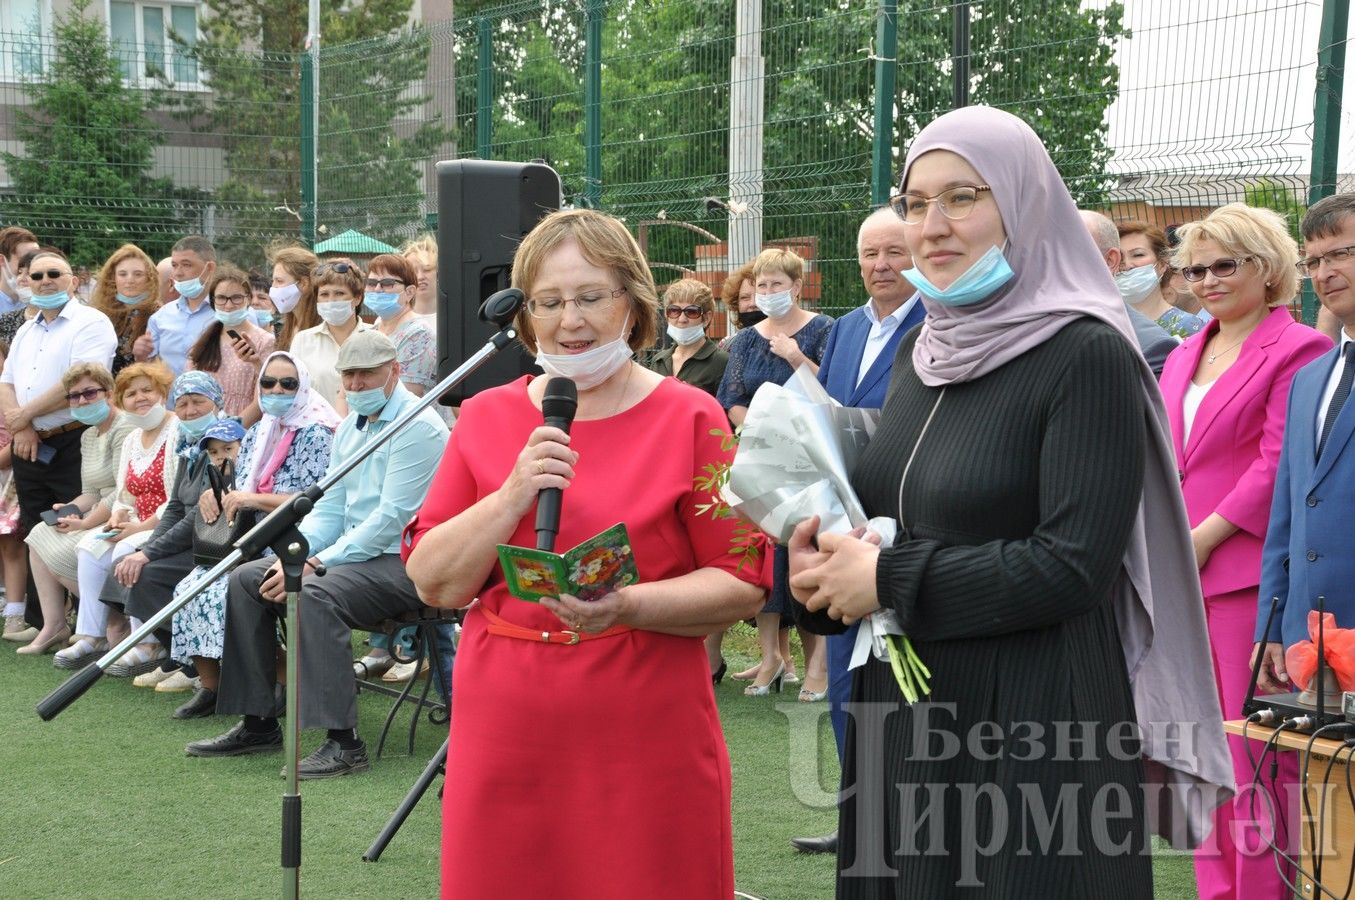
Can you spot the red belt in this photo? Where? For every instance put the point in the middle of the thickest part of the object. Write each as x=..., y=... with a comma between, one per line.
x=503, y=628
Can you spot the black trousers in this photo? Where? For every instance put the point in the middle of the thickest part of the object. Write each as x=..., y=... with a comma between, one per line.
x=41, y=486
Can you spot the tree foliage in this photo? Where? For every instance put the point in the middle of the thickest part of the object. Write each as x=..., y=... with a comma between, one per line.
x=370, y=155
x=1283, y=199
x=83, y=179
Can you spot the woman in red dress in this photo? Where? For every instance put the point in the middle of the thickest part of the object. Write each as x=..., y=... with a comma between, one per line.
x=586, y=746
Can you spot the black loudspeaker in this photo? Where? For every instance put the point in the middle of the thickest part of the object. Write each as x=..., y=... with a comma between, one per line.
x=485, y=209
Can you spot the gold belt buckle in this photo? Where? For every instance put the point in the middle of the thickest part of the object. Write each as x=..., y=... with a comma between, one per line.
x=573, y=637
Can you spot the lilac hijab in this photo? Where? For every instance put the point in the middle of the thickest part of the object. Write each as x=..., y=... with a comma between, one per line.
x=1060, y=276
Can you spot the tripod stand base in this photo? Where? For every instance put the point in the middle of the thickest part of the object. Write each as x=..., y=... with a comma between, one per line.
x=438, y=764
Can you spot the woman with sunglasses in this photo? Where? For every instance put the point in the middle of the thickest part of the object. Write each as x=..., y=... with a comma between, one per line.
x=52, y=548
x=232, y=348
x=286, y=452
x=391, y=286
x=693, y=357
x=1226, y=390
x=337, y=287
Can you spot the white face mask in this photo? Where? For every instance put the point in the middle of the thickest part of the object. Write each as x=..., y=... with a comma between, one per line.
x=334, y=312
x=148, y=420
x=285, y=297
x=1137, y=284
x=684, y=336
x=592, y=367
x=774, y=305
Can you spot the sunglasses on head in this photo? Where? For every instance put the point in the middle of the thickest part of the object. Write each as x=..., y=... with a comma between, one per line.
x=88, y=395
x=343, y=268
x=268, y=382
x=53, y=274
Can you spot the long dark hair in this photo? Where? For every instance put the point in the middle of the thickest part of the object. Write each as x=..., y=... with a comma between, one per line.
x=206, y=353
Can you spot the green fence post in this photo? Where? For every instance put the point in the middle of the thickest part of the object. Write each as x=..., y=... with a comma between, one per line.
x=1331, y=68
x=592, y=104
x=886, y=69
x=309, y=61
x=484, y=90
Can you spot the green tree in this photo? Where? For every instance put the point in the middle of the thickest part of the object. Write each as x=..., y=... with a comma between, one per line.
x=83, y=180
x=373, y=137
x=1283, y=199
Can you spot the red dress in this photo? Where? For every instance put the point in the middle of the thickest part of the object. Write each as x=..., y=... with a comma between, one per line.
x=598, y=770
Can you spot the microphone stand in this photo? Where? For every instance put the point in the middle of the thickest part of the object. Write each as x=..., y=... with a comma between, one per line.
x=279, y=532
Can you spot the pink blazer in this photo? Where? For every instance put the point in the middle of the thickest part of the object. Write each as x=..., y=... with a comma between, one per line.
x=1228, y=465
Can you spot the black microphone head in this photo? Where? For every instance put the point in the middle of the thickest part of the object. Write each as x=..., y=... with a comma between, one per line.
x=500, y=308
x=561, y=400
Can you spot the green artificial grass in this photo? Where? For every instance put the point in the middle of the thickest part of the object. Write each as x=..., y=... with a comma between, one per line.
x=102, y=802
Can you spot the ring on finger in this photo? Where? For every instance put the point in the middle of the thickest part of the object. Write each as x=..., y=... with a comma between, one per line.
x=541, y=467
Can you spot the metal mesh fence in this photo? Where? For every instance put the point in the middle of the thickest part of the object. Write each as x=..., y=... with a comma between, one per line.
x=710, y=120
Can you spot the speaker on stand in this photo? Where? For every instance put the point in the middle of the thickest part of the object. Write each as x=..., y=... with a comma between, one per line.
x=485, y=209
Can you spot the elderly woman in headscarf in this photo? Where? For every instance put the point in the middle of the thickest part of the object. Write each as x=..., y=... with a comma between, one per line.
x=1022, y=456
x=143, y=580
x=286, y=452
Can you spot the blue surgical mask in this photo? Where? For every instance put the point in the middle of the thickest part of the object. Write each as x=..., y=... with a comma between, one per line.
x=276, y=404
x=92, y=413
x=232, y=318
x=196, y=428
x=262, y=317
x=51, y=301
x=131, y=301
x=368, y=402
x=774, y=305
x=383, y=304
x=1136, y=284
x=189, y=289
x=980, y=281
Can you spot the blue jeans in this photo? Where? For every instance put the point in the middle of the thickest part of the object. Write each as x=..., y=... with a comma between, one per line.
x=403, y=644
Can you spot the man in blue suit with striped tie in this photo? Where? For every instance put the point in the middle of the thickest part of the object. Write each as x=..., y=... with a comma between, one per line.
x=855, y=370
x=1308, y=553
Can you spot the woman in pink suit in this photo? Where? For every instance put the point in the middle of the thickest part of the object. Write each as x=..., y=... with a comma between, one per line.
x=1226, y=390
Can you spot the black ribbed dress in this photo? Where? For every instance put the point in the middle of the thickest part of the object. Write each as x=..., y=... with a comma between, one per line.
x=1018, y=507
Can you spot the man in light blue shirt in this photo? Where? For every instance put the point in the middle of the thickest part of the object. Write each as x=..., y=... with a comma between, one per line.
x=354, y=532
x=175, y=327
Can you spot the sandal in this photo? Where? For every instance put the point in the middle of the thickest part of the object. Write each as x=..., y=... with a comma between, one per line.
x=371, y=666
x=80, y=654
x=137, y=660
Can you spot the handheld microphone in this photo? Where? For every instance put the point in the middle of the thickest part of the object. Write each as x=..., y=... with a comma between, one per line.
x=557, y=408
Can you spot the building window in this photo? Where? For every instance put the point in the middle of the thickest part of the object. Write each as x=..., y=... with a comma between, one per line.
x=150, y=40
x=22, y=26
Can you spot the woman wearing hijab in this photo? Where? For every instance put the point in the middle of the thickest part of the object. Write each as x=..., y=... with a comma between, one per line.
x=1022, y=453
x=143, y=581
x=286, y=452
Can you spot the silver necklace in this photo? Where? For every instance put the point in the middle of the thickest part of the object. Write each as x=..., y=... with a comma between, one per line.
x=1214, y=356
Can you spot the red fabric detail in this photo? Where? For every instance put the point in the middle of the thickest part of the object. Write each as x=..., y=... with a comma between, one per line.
x=148, y=488
x=1338, y=645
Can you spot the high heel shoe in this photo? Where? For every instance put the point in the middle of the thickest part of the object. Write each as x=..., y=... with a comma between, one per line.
x=51, y=645
x=719, y=674
x=761, y=690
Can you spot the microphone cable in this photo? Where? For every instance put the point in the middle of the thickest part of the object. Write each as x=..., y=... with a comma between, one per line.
x=1316, y=836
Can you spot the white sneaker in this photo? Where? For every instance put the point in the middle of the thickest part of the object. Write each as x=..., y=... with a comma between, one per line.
x=152, y=678
x=176, y=683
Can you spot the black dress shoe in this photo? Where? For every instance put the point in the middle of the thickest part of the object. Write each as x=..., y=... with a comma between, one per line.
x=237, y=742
x=200, y=705
x=825, y=844
x=332, y=760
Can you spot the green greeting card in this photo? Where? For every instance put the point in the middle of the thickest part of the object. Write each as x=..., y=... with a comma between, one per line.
x=590, y=571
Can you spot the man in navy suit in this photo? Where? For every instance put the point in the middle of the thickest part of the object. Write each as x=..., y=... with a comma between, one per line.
x=855, y=370
x=1307, y=553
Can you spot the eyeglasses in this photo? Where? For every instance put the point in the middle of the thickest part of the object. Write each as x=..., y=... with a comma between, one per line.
x=956, y=203
x=229, y=300
x=384, y=283
x=268, y=382
x=1221, y=268
x=587, y=303
x=691, y=312
x=53, y=274
x=1308, y=267
x=88, y=395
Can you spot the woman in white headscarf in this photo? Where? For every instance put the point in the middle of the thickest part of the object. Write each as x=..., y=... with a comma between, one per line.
x=1022, y=454
x=285, y=452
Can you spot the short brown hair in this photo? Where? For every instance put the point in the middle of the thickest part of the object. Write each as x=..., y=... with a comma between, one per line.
x=604, y=241
x=156, y=371
x=690, y=292
x=195, y=243
x=95, y=372
x=1243, y=230
x=776, y=259
x=729, y=293
x=12, y=237
x=398, y=266
x=1157, y=238
x=354, y=278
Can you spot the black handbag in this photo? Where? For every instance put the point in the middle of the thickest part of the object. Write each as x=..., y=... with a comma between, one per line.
x=214, y=541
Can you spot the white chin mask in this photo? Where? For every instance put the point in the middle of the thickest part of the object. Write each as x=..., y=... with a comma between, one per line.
x=149, y=419
x=689, y=335
x=592, y=367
